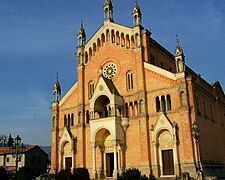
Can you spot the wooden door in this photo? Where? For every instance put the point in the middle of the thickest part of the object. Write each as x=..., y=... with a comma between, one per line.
x=167, y=162
x=68, y=163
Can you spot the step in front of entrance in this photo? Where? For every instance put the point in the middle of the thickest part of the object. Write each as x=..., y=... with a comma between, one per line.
x=166, y=178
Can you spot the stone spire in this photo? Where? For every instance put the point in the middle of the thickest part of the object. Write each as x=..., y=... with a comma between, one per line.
x=179, y=57
x=136, y=14
x=108, y=10
x=81, y=35
x=56, y=91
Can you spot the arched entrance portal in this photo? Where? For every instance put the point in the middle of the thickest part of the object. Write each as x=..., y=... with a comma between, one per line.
x=106, y=155
x=166, y=152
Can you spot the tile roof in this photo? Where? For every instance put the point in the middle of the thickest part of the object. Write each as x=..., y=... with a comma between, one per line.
x=7, y=150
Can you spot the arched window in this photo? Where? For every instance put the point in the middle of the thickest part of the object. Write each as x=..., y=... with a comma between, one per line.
x=94, y=49
x=163, y=102
x=168, y=102
x=113, y=36
x=90, y=89
x=136, y=41
x=122, y=40
x=68, y=123
x=117, y=38
x=87, y=117
x=132, y=42
x=130, y=80
x=65, y=120
x=86, y=57
x=72, y=119
x=127, y=41
x=107, y=36
x=103, y=39
x=135, y=108
x=79, y=117
x=157, y=104
x=53, y=121
x=182, y=99
x=98, y=44
x=131, y=109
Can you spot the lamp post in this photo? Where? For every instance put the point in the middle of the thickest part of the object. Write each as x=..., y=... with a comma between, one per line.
x=196, y=134
x=17, y=151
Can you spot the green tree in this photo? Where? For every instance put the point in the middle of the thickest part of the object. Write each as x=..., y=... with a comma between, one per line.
x=10, y=141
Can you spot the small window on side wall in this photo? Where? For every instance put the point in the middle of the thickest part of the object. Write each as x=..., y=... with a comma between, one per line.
x=90, y=89
x=130, y=80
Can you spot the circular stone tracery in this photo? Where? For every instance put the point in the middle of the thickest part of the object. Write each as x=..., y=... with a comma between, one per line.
x=109, y=70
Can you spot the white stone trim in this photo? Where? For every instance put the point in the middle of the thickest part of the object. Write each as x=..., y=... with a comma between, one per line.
x=160, y=71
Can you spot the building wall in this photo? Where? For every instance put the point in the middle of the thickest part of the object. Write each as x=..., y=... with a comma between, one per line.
x=155, y=76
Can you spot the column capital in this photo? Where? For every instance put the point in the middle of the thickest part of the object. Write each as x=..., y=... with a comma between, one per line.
x=114, y=142
x=93, y=145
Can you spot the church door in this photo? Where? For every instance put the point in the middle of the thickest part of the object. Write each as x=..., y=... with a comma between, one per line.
x=167, y=162
x=68, y=163
x=109, y=164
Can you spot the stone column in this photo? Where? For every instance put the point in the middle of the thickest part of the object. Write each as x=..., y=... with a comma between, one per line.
x=119, y=160
x=74, y=140
x=60, y=160
x=176, y=160
x=115, y=172
x=104, y=164
x=94, y=172
x=102, y=161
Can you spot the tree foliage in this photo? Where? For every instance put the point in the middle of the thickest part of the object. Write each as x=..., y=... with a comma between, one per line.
x=82, y=173
x=10, y=141
x=132, y=174
x=3, y=140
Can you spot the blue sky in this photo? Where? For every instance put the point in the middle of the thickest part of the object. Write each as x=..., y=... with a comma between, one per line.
x=38, y=38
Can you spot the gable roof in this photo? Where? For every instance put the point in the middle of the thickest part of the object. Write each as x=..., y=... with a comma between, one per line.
x=7, y=150
x=111, y=86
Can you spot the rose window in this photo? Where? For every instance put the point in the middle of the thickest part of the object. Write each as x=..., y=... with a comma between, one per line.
x=109, y=70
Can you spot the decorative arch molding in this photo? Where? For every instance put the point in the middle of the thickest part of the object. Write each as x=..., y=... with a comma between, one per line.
x=105, y=88
x=67, y=149
x=165, y=145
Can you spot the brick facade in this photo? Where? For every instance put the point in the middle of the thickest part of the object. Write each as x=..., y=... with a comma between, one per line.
x=133, y=105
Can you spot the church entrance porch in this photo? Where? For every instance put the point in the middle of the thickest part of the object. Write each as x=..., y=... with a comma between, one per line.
x=107, y=155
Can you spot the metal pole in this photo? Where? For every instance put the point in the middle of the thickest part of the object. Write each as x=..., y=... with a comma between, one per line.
x=16, y=166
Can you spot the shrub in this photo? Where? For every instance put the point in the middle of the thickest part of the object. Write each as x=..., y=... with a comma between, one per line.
x=24, y=173
x=64, y=174
x=132, y=174
x=82, y=173
x=67, y=175
x=3, y=174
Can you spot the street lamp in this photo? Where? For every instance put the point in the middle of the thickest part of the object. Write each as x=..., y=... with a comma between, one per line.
x=196, y=134
x=17, y=151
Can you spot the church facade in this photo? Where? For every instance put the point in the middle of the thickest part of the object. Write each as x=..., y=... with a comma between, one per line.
x=134, y=105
